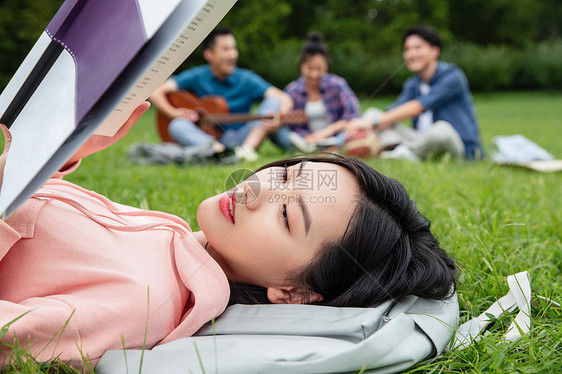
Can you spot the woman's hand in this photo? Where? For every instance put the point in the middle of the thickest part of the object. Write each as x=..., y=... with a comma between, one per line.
x=326, y=132
x=189, y=114
x=357, y=124
x=97, y=143
x=318, y=135
x=7, y=142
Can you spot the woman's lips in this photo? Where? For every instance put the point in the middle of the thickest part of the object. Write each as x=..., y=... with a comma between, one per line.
x=227, y=204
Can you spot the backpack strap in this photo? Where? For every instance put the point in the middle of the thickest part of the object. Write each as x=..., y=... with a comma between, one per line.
x=519, y=296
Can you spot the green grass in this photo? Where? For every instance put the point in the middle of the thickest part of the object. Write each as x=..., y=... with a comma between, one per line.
x=495, y=220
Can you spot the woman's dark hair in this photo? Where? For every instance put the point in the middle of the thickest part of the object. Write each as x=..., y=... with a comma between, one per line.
x=314, y=46
x=387, y=250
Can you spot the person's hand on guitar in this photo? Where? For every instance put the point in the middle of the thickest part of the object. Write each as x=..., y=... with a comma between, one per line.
x=271, y=125
x=189, y=114
x=285, y=106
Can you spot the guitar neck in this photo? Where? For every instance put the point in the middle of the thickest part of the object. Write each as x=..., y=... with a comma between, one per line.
x=213, y=111
x=225, y=119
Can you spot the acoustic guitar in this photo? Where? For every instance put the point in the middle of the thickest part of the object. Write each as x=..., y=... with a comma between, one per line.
x=213, y=113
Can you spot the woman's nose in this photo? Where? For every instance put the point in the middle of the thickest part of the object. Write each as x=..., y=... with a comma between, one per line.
x=259, y=192
x=252, y=192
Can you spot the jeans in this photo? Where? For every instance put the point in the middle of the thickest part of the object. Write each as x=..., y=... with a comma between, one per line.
x=440, y=138
x=187, y=133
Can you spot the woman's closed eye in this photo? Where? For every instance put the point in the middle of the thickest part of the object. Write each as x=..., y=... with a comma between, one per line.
x=285, y=217
x=283, y=213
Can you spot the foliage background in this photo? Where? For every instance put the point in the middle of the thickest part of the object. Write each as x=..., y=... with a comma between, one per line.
x=501, y=44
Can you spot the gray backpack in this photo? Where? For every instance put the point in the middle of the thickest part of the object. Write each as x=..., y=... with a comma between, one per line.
x=390, y=338
x=303, y=339
x=167, y=153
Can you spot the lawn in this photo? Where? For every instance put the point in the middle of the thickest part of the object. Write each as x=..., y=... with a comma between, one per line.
x=495, y=220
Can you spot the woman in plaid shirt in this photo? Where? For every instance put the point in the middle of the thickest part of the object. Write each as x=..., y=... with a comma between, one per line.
x=326, y=98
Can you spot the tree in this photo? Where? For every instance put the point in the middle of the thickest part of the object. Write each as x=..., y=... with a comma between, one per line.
x=508, y=22
x=21, y=24
x=363, y=36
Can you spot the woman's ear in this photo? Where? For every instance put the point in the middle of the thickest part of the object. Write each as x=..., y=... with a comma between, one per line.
x=292, y=295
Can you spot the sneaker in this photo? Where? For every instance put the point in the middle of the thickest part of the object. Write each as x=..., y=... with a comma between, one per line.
x=226, y=157
x=301, y=144
x=400, y=152
x=246, y=154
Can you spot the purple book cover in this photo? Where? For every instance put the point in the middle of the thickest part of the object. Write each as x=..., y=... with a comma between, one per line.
x=93, y=65
x=102, y=36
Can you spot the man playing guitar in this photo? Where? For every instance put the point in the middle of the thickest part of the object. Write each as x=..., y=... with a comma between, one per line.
x=240, y=87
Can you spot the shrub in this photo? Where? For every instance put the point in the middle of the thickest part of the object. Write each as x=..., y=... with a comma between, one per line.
x=487, y=68
x=369, y=73
x=540, y=66
x=280, y=65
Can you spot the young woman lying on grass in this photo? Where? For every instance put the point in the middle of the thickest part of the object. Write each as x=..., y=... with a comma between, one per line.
x=89, y=273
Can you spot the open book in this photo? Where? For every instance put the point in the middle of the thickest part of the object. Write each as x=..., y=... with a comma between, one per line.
x=92, y=66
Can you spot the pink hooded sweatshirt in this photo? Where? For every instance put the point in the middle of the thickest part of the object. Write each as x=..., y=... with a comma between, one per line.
x=91, y=273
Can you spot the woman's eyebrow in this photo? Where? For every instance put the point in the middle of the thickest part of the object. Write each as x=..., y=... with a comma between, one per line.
x=300, y=169
x=305, y=213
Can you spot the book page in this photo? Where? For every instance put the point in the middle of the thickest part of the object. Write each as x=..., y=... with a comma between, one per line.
x=38, y=133
x=169, y=47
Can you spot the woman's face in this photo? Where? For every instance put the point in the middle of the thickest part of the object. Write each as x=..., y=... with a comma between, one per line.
x=313, y=69
x=275, y=221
